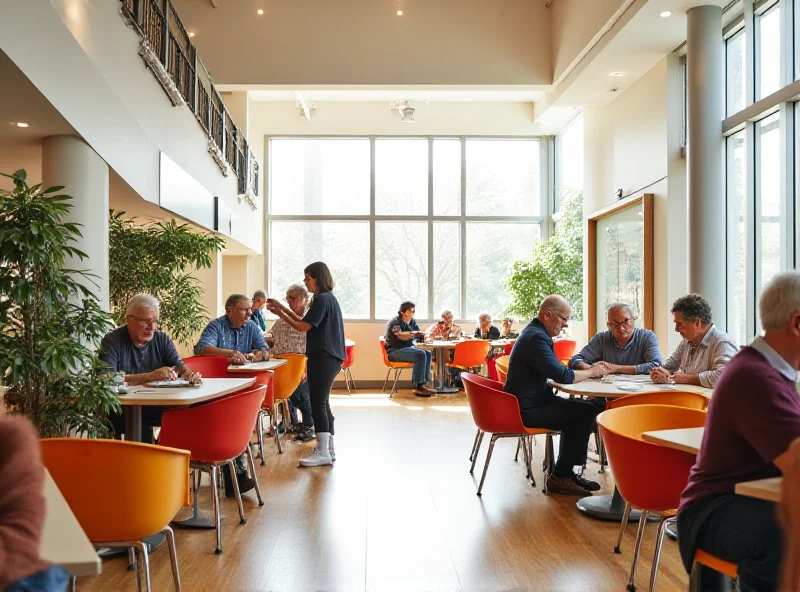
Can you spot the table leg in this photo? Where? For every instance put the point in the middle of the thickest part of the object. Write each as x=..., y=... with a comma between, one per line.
x=607, y=507
x=133, y=422
x=440, y=388
x=199, y=519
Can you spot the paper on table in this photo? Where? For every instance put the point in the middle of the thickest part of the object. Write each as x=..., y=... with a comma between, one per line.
x=630, y=387
x=178, y=383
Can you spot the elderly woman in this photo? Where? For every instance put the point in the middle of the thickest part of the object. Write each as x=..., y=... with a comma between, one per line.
x=485, y=329
x=446, y=328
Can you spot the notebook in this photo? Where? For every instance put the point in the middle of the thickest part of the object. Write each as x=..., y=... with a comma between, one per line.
x=178, y=383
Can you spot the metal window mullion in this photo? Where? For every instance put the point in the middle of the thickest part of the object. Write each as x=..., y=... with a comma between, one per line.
x=372, y=227
x=753, y=233
x=787, y=41
x=431, y=263
x=546, y=186
x=750, y=57
x=463, y=228
x=787, y=127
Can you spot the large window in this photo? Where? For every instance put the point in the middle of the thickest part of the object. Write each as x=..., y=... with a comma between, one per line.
x=737, y=238
x=568, y=162
x=768, y=196
x=394, y=220
x=768, y=58
x=736, y=68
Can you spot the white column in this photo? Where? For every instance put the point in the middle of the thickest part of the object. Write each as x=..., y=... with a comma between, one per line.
x=705, y=94
x=69, y=161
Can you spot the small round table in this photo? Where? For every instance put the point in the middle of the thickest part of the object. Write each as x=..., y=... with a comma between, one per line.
x=439, y=348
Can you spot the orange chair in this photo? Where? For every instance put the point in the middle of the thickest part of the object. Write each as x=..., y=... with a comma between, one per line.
x=121, y=492
x=470, y=354
x=398, y=367
x=685, y=399
x=715, y=563
x=287, y=378
x=564, y=350
x=497, y=413
x=349, y=346
x=501, y=364
x=216, y=433
x=649, y=476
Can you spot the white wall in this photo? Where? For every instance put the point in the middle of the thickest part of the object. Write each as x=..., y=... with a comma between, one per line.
x=631, y=144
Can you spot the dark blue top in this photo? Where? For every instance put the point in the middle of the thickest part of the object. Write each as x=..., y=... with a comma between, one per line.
x=492, y=333
x=327, y=328
x=641, y=351
x=221, y=333
x=121, y=355
x=532, y=362
x=258, y=318
x=393, y=342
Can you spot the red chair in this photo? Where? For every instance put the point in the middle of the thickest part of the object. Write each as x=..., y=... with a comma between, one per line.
x=209, y=366
x=349, y=346
x=497, y=413
x=564, y=350
x=216, y=433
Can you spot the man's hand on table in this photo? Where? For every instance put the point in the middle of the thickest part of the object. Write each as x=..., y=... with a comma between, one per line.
x=237, y=358
x=165, y=373
x=193, y=377
x=660, y=375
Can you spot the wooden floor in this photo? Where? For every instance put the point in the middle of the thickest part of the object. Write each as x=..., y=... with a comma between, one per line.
x=399, y=512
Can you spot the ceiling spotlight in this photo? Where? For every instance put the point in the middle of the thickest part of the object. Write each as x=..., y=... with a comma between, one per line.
x=399, y=13
x=191, y=34
x=665, y=14
x=260, y=11
x=22, y=124
x=616, y=74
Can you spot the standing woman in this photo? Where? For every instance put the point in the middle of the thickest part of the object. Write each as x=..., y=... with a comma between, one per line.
x=325, y=351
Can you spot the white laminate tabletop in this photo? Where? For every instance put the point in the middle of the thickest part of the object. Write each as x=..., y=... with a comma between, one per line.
x=765, y=489
x=258, y=366
x=616, y=388
x=63, y=540
x=211, y=388
x=685, y=439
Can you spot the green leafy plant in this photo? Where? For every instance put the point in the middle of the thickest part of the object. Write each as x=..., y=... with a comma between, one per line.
x=554, y=267
x=158, y=258
x=51, y=319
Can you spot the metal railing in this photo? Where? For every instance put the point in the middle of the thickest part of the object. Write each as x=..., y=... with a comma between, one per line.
x=158, y=23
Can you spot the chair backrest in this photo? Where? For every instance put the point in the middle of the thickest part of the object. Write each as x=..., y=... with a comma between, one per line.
x=564, y=350
x=382, y=341
x=288, y=376
x=209, y=366
x=501, y=364
x=686, y=399
x=216, y=431
x=118, y=491
x=493, y=410
x=649, y=476
x=471, y=353
x=349, y=346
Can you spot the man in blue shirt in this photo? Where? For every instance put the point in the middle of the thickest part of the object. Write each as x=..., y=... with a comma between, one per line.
x=259, y=300
x=233, y=336
x=623, y=349
x=401, y=333
x=532, y=363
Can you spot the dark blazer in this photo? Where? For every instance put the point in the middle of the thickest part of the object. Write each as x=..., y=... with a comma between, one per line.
x=494, y=333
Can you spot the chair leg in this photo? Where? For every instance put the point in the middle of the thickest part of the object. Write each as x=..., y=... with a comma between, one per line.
x=516, y=455
x=657, y=556
x=275, y=428
x=397, y=373
x=548, y=459
x=252, y=464
x=232, y=468
x=622, y=526
x=215, y=500
x=142, y=546
x=261, y=436
x=530, y=461
x=477, y=448
x=173, y=556
x=639, y=534
x=474, y=444
x=133, y=563
x=486, y=466
x=73, y=583
x=386, y=380
x=350, y=377
x=346, y=381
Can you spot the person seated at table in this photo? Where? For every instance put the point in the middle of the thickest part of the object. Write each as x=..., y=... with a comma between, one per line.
x=533, y=361
x=790, y=517
x=485, y=329
x=288, y=340
x=145, y=354
x=401, y=333
x=623, y=348
x=445, y=329
x=233, y=336
x=22, y=511
x=753, y=418
x=704, y=351
x=507, y=331
x=257, y=309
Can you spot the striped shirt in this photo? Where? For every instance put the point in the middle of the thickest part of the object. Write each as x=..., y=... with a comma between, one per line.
x=288, y=340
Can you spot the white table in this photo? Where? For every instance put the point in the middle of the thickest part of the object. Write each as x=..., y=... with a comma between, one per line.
x=257, y=366
x=139, y=396
x=609, y=390
x=765, y=489
x=684, y=439
x=63, y=541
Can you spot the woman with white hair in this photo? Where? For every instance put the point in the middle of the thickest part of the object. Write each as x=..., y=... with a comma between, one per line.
x=485, y=329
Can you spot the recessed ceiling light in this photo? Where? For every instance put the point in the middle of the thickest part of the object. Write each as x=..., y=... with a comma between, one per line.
x=191, y=34
x=665, y=14
x=468, y=99
x=616, y=74
x=22, y=124
x=260, y=11
x=399, y=13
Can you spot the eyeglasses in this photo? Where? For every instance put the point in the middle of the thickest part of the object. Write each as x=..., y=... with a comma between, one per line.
x=620, y=324
x=144, y=322
x=563, y=318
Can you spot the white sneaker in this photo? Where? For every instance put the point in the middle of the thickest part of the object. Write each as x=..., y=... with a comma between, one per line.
x=331, y=450
x=316, y=459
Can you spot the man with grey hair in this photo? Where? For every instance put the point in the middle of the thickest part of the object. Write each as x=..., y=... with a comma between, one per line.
x=753, y=418
x=446, y=328
x=234, y=336
x=485, y=329
x=533, y=361
x=259, y=300
x=623, y=348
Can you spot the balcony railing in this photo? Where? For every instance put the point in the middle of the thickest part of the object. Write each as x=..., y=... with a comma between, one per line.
x=162, y=32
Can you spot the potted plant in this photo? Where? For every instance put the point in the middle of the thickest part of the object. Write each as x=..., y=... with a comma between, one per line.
x=51, y=320
x=158, y=258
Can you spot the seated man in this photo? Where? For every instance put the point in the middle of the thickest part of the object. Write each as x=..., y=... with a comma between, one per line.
x=445, y=329
x=233, y=336
x=532, y=363
x=623, y=349
x=259, y=300
x=704, y=351
x=145, y=354
x=485, y=329
x=401, y=332
x=753, y=418
x=287, y=339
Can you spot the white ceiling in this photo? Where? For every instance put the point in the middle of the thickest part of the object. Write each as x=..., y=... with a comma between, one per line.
x=420, y=94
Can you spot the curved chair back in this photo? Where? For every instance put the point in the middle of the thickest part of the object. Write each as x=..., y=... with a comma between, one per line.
x=118, y=491
x=686, y=399
x=507, y=349
x=493, y=410
x=216, y=431
x=349, y=346
x=564, y=350
x=501, y=364
x=288, y=376
x=471, y=353
x=649, y=476
x=209, y=366
x=386, y=361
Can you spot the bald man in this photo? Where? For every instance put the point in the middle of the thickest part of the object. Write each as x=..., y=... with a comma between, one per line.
x=532, y=363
